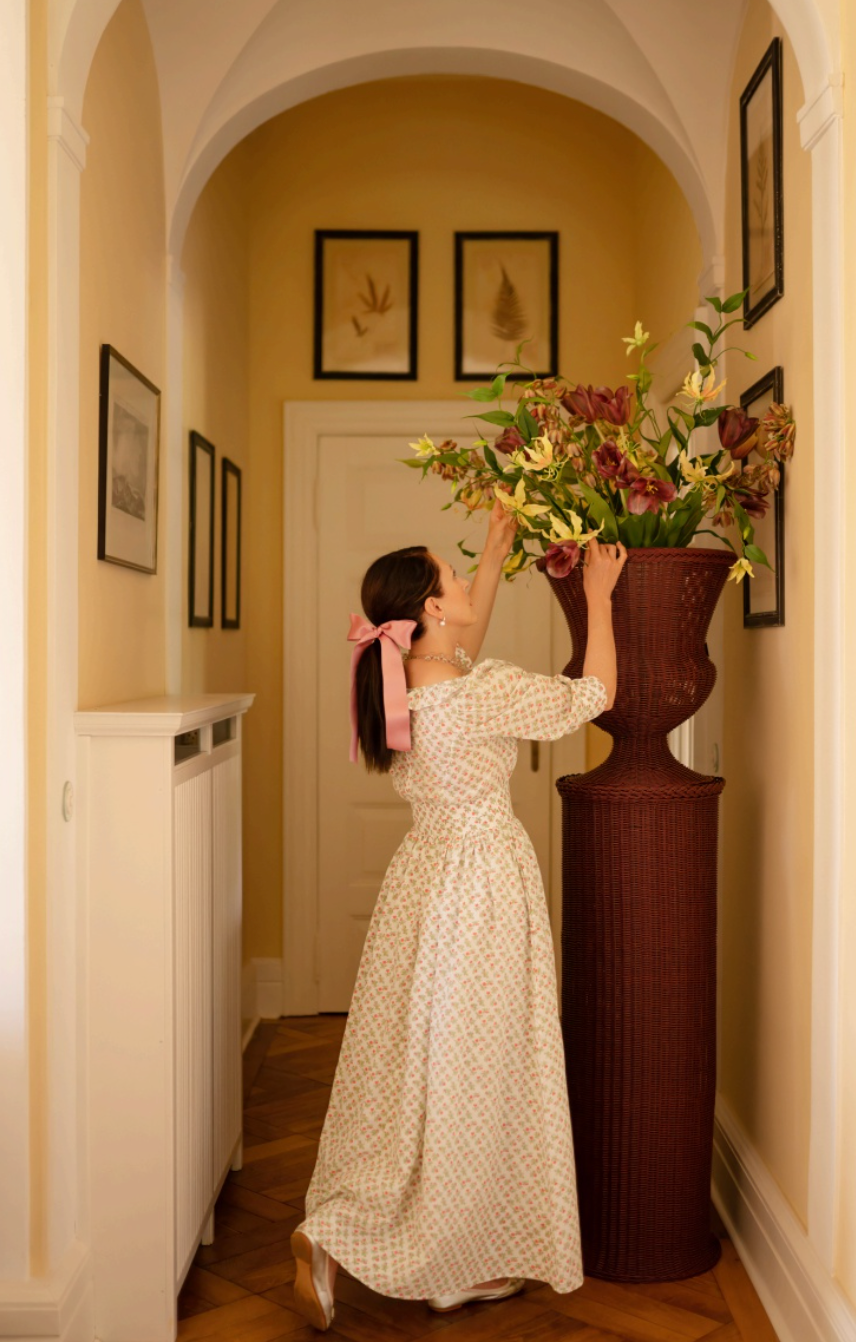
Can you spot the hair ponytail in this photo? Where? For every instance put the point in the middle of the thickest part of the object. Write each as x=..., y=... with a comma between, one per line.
x=395, y=587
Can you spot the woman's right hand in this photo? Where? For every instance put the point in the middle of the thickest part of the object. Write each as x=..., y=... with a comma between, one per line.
x=602, y=566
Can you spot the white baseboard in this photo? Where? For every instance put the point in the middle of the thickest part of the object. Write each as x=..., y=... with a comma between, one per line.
x=803, y=1303
x=261, y=989
x=58, y=1307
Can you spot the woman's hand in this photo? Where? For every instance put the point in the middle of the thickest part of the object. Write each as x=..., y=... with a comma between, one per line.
x=502, y=528
x=602, y=567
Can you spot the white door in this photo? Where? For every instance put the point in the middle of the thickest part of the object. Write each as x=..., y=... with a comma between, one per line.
x=369, y=504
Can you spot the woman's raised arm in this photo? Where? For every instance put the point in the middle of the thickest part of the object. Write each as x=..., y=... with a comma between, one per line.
x=500, y=537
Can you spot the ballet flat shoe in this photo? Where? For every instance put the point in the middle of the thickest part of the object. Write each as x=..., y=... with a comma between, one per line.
x=443, y=1303
x=312, y=1295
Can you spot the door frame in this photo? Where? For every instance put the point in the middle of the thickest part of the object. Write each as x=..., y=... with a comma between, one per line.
x=305, y=424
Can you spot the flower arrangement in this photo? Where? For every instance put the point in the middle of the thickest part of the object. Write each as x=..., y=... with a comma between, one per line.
x=571, y=462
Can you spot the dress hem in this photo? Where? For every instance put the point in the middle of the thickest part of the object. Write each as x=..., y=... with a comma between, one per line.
x=513, y=1269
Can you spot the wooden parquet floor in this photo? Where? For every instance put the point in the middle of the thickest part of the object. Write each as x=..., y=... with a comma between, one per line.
x=240, y=1287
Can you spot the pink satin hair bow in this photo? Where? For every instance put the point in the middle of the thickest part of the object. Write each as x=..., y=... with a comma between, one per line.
x=394, y=635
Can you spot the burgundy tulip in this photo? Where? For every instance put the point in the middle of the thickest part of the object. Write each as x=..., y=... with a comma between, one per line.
x=647, y=493
x=560, y=559
x=509, y=440
x=585, y=402
x=627, y=473
x=736, y=431
x=615, y=408
x=607, y=458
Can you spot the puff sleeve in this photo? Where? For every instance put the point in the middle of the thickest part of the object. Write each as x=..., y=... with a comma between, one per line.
x=513, y=702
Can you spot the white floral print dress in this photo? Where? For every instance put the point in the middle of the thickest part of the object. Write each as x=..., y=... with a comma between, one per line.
x=446, y=1156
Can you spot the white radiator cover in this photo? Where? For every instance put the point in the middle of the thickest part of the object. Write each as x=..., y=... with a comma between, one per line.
x=161, y=884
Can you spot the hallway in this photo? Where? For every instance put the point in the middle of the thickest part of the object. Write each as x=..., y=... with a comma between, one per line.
x=239, y=1287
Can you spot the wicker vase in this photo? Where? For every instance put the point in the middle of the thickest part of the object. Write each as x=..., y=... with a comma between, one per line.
x=639, y=931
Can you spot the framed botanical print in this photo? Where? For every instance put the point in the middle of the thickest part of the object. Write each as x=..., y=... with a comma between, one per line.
x=128, y=451
x=201, y=555
x=762, y=196
x=764, y=594
x=506, y=294
x=230, y=545
x=366, y=304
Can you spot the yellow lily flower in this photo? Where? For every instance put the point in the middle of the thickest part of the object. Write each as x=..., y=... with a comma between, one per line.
x=516, y=503
x=693, y=471
x=560, y=531
x=536, y=455
x=424, y=447
x=635, y=341
x=697, y=387
x=739, y=569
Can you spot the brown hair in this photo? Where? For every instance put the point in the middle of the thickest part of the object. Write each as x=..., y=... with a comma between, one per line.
x=395, y=587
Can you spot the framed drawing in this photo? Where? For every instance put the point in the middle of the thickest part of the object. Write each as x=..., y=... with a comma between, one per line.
x=761, y=186
x=128, y=451
x=764, y=594
x=230, y=545
x=366, y=304
x=201, y=550
x=506, y=292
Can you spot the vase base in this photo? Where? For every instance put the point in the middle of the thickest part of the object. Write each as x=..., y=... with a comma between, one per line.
x=671, y=1271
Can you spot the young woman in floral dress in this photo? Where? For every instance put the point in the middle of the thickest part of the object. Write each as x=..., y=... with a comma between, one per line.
x=445, y=1169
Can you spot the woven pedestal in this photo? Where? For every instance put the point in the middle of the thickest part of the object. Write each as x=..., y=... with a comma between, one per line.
x=639, y=932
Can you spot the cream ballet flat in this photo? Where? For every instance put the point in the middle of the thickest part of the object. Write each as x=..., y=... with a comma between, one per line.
x=443, y=1303
x=312, y=1295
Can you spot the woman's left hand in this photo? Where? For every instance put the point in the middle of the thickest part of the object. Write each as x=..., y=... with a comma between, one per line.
x=502, y=529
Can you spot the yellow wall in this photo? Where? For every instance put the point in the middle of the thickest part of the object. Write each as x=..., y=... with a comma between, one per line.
x=215, y=404
x=122, y=303
x=767, y=826
x=436, y=154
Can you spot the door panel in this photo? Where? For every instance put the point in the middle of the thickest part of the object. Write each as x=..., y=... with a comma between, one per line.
x=370, y=504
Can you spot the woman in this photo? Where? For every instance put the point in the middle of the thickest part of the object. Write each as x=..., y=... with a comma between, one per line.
x=446, y=1157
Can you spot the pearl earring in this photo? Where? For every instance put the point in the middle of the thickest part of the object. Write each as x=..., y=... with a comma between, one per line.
x=443, y=621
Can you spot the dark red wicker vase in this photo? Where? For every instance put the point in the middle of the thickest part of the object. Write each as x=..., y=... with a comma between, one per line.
x=639, y=931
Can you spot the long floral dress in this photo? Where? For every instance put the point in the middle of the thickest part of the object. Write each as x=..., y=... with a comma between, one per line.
x=446, y=1156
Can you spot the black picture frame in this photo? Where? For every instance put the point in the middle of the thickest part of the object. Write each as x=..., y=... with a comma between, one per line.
x=230, y=479
x=128, y=464
x=201, y=546
x=340, y=255
x=770, y=387
x=465, y=358
x=761, y=188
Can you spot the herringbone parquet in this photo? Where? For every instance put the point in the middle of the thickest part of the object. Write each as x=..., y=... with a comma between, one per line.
x=239, y=1287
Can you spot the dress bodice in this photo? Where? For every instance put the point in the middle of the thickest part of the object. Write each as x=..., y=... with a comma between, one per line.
x=464, y=734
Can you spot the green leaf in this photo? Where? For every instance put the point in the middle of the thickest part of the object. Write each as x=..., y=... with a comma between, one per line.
x=446, y=506
x=498, y=384
x=705, y=418
x=471, y=554
x=714, y=302
x=746, y=526
x=700, y=326
x=701, y=355
x=757, y=556
x=703, y=531
x=503, y=417
x=415, y=462
x=601, y=512
x=490, y=458
x=734, y=302
x=527, y=423
x=481, y=394
x=630, y=529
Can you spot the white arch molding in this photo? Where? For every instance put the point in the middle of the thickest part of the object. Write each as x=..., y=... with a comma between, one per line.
x=76, y=28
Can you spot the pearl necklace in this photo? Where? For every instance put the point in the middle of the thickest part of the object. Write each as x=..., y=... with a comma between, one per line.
x=431, y=657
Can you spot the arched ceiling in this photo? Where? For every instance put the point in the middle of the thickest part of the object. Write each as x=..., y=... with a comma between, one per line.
x=662, y=68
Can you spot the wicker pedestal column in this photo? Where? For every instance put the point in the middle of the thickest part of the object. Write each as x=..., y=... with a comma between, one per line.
x=639, y=932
